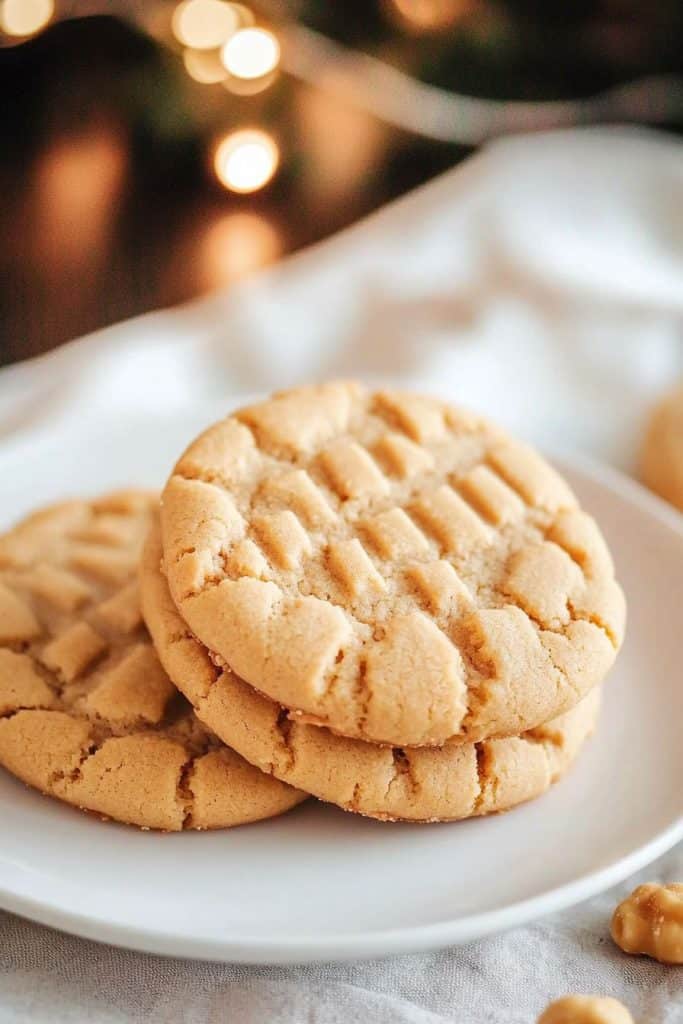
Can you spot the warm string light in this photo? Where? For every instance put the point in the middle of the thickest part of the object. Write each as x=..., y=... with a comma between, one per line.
x=246, y=160
x=247, y=86
x=245, y=16
x=205, y=66
x=25, y=17
x=425, y=16
x=381, y=89
x=251, y=53
x=236, y=244
x=78, y=183
x=204, y=24
x=222, y=44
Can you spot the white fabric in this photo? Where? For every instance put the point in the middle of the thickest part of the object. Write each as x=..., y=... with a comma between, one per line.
x=541, y=282
x=49, y=978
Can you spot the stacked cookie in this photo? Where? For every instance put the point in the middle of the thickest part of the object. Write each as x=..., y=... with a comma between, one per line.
x=374, y=598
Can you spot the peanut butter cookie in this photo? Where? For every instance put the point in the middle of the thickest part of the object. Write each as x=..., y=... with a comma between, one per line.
x=87, y=713
x=390, y=567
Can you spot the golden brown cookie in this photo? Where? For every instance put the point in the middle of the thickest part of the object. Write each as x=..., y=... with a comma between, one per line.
x=390, y=567
x=87, y=713
x=458, y=780
x=661, y=461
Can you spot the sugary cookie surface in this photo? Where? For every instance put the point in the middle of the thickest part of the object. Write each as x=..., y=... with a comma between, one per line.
x=413, y=784
x=389, y=566
x=87, y=713
x=650, y=921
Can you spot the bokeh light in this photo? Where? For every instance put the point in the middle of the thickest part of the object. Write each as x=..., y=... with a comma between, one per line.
x=344, y=146
x=204, y=66
x=424, y=16
x=246, y=160
x=77, y=183
x=245, y=16
x=251, y=53
x=204, y=24
x=235, y=245
x=248, y=86
x=25, y=17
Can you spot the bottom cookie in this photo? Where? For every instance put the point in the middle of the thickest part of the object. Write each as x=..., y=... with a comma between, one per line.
x=417, y=784
x=87, y=713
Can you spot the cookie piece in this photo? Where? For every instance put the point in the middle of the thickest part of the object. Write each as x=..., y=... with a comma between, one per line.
x=390, y=567
x=459, y=780
x=87, y=713
x=661, y=460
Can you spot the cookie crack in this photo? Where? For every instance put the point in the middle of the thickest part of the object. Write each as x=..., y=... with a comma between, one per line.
x=538, y=738
x=550, y=745
x=261, y=441
x=402, y=769
x=563, y=673
x=580, y=563
x=534, y=617
x=177, y=638
x=212, y=477
x=209, y=581
x=283, y=727
x=595, y=620
x=363, y=695
x=480, y=674
x=184, y=792
x=75, y=774
x=481, y=755
x=5, y=716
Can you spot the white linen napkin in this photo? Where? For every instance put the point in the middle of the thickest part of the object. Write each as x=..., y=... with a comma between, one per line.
x=540, y=282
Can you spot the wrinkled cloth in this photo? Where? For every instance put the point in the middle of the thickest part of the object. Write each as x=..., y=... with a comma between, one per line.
x=541, y=282
x=50, y=978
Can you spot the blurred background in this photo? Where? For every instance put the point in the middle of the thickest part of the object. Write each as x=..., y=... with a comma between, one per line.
x=153, y=151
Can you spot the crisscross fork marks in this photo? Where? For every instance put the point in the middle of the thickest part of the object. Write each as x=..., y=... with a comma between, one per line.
x=87, y=713
x=381, y=507
x=364, y=777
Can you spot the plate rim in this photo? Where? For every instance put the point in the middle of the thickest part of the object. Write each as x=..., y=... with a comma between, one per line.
x=313, y=948
x=380, y=944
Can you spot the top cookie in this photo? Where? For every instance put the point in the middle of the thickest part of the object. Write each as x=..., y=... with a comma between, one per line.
x=389, y=566
x=662, y=453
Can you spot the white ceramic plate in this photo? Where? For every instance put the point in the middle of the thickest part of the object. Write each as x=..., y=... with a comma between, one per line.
x=319, y=884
